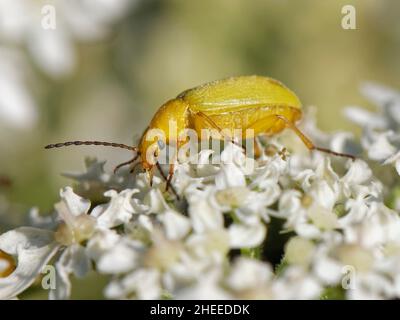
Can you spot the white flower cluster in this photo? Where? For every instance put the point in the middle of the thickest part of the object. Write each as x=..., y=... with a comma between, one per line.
x=284, y=227
x=381, y=131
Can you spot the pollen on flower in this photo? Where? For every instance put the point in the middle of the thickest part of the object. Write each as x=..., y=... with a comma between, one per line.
x=162, y=255
x=84, y=227
x=391, y=249
x=64, y=234
x=233, y=197
x=323, y=218
x=81, y=230
x=299, y=251
x=306, y=200
x=356, y=256
x=215, y=241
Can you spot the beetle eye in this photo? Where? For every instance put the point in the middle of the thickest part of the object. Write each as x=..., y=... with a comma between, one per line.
x=161, y=144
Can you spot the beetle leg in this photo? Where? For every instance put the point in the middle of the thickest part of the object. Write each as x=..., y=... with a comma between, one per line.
x=134, y=167
x=170, y=175
x=212, y=123
x=257, y=149
x=150, y=174
x=171, y=171
x=125, y=163
x=166, y=179
x=309, y=144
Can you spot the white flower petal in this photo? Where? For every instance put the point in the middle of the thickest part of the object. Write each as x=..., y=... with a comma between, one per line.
x=379, y=94
x=395, y=158
x=176, y=225
x=381, y=148
x=144, y=283
x=358, y=173
x=328, y=270
x=118, y=211
x=230, y=176
x=123, y=257
x=206, y=289
x=71, y=206
x=242, y=236
x=73, y=260
x=249, y=273
x=33, y=248
x=296, y=284
x=155, y=200
x=344, y=142
x=102, y=241
x=363, y=117
x=204, y=217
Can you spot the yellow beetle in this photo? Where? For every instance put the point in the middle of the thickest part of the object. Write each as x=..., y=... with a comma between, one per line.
x=253, y=102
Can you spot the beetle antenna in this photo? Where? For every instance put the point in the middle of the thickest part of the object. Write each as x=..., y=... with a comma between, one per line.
x=125, y=163
x=91, y=143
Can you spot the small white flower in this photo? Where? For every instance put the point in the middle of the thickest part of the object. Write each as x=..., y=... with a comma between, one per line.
x=299, y=251
x=116, y=212
x=230, y=176
x=72, y=261
x=204, y=211
x=102, y=241
x=379, y=94
x=176, y=225
x=32, y=249
x=358, y=174
x=381, y=134
x=250, y=278
x=212, y=245
x=142, y=284
x=296, y=283
x=394, y=159
x=244, y=236
x=378, y=145
x=363, y=117
x=206, y=289
x=155, y=201
x=122, y=257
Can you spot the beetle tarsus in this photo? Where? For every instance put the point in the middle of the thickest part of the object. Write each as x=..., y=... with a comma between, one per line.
x=168, y=186
x=338, y=154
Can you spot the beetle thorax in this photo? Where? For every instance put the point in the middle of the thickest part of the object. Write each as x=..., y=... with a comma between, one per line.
x=171, y=118
x=167, y=125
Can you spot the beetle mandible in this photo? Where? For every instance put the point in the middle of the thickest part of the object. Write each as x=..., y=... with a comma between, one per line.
x=259, y=103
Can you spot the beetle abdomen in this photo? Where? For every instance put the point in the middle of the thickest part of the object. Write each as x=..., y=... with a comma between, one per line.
x=245, y=119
